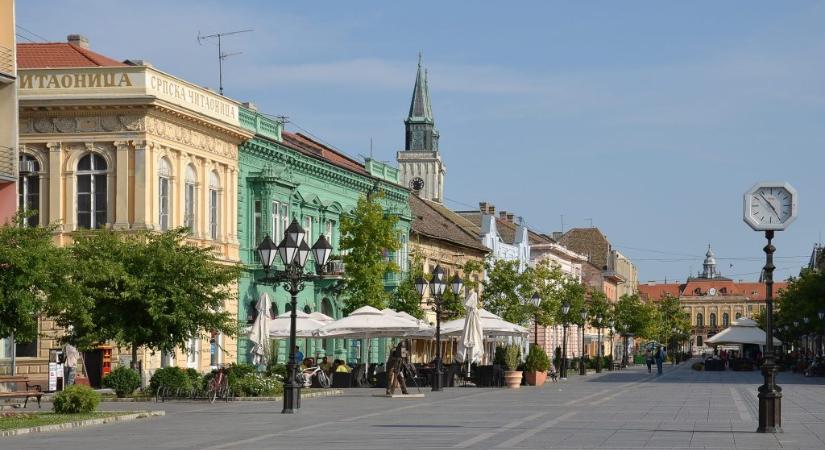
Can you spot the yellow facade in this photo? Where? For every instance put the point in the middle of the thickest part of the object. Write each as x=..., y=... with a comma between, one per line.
x=165, y=155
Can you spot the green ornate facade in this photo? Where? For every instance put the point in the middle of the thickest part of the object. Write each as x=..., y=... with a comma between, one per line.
x=284, y=176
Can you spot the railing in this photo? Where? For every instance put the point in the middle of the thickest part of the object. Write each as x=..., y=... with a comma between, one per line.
x=7, y=160
x=7, y=62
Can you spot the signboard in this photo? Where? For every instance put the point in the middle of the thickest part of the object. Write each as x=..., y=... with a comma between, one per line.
x=112, y=82
x=55, y=372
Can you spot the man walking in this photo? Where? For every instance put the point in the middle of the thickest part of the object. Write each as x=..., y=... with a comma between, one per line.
x=70, y=357
x=660, y=357
x=395, y=374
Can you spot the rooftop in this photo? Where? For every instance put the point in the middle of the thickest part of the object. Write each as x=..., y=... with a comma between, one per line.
x=73, y=53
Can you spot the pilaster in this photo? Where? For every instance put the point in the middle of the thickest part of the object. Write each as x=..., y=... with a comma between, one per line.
x=56, y=194
x=142, y=152
x=121, y=197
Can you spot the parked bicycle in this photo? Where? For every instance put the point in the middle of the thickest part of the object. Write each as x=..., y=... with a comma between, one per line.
x=218, y=386
x=304, y=377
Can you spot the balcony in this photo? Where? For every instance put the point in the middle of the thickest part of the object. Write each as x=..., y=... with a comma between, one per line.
x=334, y=270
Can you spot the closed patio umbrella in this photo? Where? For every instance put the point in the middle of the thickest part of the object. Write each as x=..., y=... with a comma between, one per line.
x=259, y=333
x=471, y=342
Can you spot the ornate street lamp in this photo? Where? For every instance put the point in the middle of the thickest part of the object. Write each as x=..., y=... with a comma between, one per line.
x=599, y=350
x=294, y=252
x=582, y=368
x=565, y=308
x=611, y=323
x=535, y=300
x=821, y=315
x=437, y=287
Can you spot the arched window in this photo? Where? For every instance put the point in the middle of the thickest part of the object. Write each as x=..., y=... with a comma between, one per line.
x=28, y=188
x=713, y=319
x=189, y=199
x=326, y=308
x=700, y=320
x=164, y=192
x=307, y=309
x=214, y=187
x=91, y=191
x=698, y=341
x=738, y=315
x=725, y=320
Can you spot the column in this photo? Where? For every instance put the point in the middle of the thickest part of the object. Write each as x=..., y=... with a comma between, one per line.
x=233, y=203
x=203, y=201
x=142, y=186
x=122, y=186
x=176, y=198
x=56, y=200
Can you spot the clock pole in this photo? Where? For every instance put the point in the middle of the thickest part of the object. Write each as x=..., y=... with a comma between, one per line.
x=770, y=395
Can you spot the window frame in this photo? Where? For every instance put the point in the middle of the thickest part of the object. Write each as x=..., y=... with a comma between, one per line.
x=93, y=172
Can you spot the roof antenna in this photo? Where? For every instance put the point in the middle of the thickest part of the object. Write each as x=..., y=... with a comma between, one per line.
x=370, y=147
x=221, y=54
x=562, y=223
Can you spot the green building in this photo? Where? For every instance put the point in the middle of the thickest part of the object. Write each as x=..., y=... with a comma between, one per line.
x=285, y=175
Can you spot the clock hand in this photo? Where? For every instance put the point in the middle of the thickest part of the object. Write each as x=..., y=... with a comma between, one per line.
x=769, y=204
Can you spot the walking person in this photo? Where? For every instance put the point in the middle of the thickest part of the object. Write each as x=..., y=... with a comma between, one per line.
x=70, y=357
x=660, y=357
x=649, y=359
x=395, y=374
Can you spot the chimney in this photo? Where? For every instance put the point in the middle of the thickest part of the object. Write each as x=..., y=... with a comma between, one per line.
x=510, y=217
x=502, y=215
x=78, y=40
x=557, y=235
x=482, y=206
x=250, y=105
x=491, y=210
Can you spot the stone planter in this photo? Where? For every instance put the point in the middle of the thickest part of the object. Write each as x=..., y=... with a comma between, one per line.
x=513, y=379
x=535, y=378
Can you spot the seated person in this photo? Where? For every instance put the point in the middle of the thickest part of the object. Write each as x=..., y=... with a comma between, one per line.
x=325, y=365
x=343, y=367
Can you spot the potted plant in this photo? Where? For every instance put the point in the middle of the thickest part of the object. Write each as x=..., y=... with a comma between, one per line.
x=535, y=368
x=511, y=360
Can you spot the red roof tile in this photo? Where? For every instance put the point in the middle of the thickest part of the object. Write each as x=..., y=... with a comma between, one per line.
x=754, y=291
x=315, y=149
x=60, y=54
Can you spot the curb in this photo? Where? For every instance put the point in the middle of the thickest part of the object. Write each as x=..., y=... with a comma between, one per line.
x=81, y=423
x=325, y=393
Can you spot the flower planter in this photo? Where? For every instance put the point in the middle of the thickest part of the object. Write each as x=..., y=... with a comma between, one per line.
x=535, y=378
x=513, y=379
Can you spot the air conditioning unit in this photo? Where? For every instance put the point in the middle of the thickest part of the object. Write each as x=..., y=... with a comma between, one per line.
x=27, y=167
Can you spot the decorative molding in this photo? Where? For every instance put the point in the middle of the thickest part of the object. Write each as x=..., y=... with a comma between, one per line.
x=187, y=136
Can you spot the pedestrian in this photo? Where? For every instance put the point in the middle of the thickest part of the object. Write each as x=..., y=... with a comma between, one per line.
x=70, y=357
x=649, y=359
x=660, y=357
x=299, y=357
x=395, y=372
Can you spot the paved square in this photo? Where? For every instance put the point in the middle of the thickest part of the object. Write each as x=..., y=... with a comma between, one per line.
x=626, y=409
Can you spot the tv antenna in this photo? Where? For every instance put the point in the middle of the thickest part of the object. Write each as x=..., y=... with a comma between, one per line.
x=221, y=54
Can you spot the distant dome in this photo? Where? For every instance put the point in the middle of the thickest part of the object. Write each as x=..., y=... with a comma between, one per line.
x=709, y=266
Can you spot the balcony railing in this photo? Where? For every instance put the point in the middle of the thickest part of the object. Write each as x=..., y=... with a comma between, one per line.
x=334, y=269
x=7, y=64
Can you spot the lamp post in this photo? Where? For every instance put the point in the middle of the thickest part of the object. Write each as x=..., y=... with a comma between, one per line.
x=437, y=287
x=535, y=300
x=293, y=252
x=599, y=350
x=806, y=321
x=821, y=315
x=565, y=308
x=582, y=368
x=611, y=323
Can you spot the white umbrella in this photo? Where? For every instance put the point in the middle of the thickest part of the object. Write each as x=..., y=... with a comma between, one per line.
x=471, y=343
x=259, y=334
x=305, y=325
x=321, y=317
x=423, y=325
x=367, y=322
x=741, y=331
x=493, y=326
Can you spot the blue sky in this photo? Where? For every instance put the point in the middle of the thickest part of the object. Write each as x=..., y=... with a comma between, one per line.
x=650, y=118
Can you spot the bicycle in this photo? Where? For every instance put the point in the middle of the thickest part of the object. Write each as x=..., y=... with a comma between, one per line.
x=218, y=386
x=304, y=377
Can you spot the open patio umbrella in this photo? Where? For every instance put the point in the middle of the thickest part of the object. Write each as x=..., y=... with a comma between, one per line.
x=491, y=324
x=741, y=331
x=259, y=334
x=471, y=342
x=321, y=317
x=305, y=325
x=423, y=325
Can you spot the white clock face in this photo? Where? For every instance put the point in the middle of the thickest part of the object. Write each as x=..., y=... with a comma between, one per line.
x=770, y=206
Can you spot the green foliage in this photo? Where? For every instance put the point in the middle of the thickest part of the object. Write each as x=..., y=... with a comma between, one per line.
x=598, y=306
x=632, y=316
x=173, y=378
x=277, y=371
x=500, y=356
x=365, y=237
x=669, y=316
x=512, y=356
x=235, y=371
x=405, y=298
x=76, y=399
x=547, y=279
x=123, y=380
x=150, y=290
x=504, y=290
x=256, y=385
x=33, y=271
x=537, y=360
x=803, y=297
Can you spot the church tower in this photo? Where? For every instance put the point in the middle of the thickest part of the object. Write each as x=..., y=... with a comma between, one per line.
x=419, y=164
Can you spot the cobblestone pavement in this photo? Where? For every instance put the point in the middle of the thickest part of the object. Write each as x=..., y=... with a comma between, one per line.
x=624, y=409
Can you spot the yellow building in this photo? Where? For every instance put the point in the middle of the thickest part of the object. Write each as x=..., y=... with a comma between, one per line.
x=123, y=145
x=8, y=112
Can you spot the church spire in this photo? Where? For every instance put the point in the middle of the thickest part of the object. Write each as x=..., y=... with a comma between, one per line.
x=421, y=133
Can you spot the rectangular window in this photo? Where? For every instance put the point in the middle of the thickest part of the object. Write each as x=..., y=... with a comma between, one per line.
x=26, y=349
x=163, y=201
x=100, y=200
x=192, y=348
x=284, y=219
x=277, y=231
x=5, y=348
x=189, y=207
x=308, y=230
x=257, y=237
x=213, y=214
x=84, y=201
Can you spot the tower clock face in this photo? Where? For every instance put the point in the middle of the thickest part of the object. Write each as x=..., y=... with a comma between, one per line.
x=417, y=184
x=770, y=206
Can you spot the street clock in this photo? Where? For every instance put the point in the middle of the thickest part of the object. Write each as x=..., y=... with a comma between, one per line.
x=770, y=206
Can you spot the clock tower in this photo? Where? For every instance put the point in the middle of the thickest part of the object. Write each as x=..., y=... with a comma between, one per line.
x=419, y=164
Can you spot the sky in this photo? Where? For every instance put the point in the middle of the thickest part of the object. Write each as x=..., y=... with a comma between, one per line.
x=646, y=119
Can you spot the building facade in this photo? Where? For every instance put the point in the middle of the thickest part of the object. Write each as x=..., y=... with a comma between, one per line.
x=419, y=164
x=712, y=300
x=286, y=176
x=122, y=145
x=8, y=112
x=505, y=235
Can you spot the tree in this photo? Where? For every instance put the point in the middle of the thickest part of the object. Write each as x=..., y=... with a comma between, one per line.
x=366, y=237
x=452, y=306
x=150, y=290
x=32, y=273
x=406, y=297
x=632, y=316
x=547, y=279
x=598, y=307
x=671, y=320
x=503, y=291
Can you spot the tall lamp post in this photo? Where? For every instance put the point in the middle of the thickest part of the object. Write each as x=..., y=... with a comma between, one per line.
x=294, y=252
x=565, y=308
x=437, y=287
x=769, y=207
x=582, y=368
x=535, y=300
x=806, y=321
x=611, y=323
x=599, y=350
